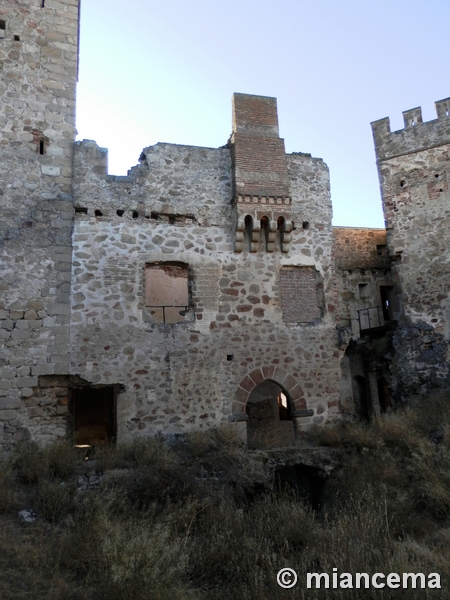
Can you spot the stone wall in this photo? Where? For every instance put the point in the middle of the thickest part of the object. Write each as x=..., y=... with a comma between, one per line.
x=193, y=374
x=38, y=69
x=414, y=169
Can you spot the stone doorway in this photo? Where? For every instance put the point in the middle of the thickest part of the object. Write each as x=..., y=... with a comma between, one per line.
x=94, y=415
x=269, y=411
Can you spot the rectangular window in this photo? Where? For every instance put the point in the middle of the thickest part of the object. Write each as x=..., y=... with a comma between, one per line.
x=167, y=292
x=2, y=29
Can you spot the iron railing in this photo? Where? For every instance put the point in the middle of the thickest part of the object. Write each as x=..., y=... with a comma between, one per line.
x=168, y=306
x=371, y=317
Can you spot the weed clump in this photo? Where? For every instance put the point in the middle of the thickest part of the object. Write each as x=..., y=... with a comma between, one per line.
x=179, y=519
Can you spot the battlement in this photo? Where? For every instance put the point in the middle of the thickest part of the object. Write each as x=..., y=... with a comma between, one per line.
x=416, y=134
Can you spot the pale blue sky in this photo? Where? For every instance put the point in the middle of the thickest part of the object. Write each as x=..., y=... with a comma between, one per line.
x=164, y=71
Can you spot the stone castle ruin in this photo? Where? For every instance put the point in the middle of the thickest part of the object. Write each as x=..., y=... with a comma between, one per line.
x=207, y=288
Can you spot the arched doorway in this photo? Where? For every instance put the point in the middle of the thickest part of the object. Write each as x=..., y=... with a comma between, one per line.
x=269, y=411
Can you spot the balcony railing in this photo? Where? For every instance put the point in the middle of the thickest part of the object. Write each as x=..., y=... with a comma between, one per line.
x=167, y=313
x=373, y=317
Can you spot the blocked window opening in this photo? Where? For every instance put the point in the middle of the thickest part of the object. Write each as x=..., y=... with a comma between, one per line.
x=382, y=249
x=94, y=416
x=167, y=292
x=301, y=291
x=120, y=213
x=2, y=29
x=98, y=213
x=81, y=210
x=363, y=289
x=270, y=423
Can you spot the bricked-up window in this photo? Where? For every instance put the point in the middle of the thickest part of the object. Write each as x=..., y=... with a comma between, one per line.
x=301, y=294
x=167, y=291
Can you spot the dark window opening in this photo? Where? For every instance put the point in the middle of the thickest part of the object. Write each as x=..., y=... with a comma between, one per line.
x=402, y=183
x=248, y=236
x=2, y=29
x=363, y=289
x=437, y=176
x=120, y=213
x=16, y=38
x=172, y=219
x=305, y=224
x=135, y=214
x=94, y=416
x=81, y=210
x=387, y=301
x=98, y=213
x=167, y=292
x=153, y=215
x=42, y=3
x=381, y=249
x=281, y=226
x=230, y=357
x=41, y=147
x=265, y=229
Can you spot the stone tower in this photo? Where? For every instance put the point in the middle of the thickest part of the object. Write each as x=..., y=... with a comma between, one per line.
x=414, y=173
x=38, y=66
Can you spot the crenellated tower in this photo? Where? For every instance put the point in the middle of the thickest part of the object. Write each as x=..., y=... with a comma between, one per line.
x=414, y=173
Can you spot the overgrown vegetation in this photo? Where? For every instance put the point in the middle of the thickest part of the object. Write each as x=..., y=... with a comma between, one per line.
x=197, y=518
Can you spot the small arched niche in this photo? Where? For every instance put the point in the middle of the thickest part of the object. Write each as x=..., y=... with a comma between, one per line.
x=269, y=411
x=248, y=233
x=281, y=228
x=265, y=229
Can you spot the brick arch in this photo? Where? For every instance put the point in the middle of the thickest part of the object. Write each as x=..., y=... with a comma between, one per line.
x=253, y=379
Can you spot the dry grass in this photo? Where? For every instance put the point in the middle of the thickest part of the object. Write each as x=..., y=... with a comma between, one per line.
x=179, y=523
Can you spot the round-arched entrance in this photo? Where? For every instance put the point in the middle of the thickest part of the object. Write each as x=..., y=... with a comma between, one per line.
x=270, y=421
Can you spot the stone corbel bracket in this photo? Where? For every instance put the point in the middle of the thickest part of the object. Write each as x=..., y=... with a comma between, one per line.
x=250, y=210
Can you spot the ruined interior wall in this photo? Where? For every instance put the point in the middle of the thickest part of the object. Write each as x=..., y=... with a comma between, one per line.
x=182, y=181
x=38, y=66
x=179, y=377
x=362, y=266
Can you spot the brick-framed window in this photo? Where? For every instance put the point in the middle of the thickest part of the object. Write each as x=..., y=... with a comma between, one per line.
x=301, y=294
x=167, y=291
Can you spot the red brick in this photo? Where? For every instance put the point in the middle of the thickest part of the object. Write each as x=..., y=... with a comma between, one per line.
x=299, y=403
x=257, y=376
x=268, y=372
x=296, y=392
x=289, y=382
x=247, y=384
